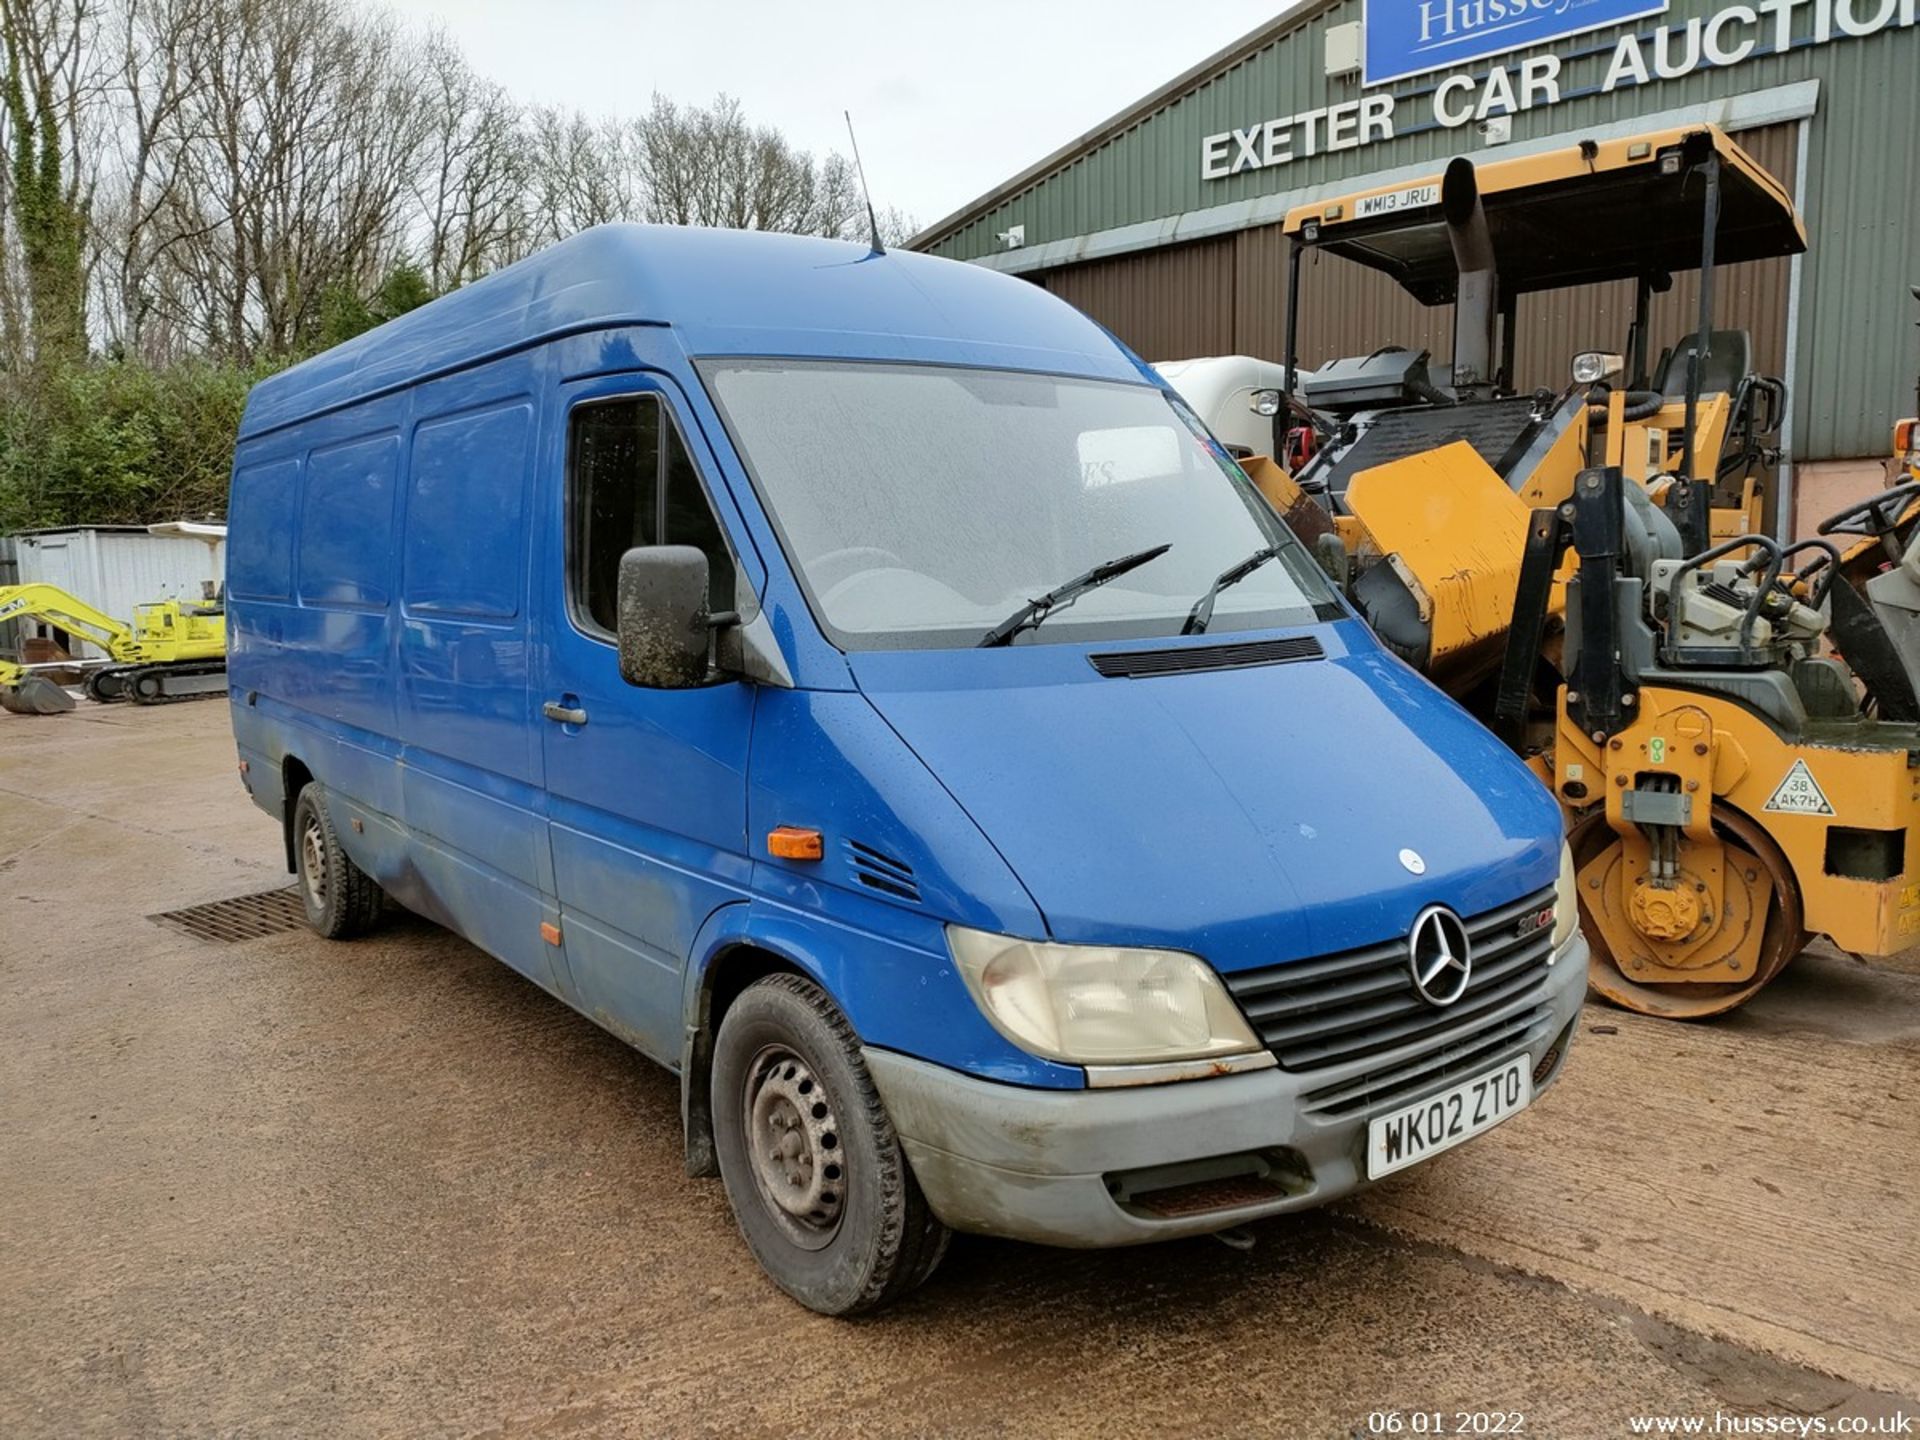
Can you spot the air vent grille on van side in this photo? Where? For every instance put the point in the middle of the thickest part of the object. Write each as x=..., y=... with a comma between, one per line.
x=1187, y=659
x=879, y=871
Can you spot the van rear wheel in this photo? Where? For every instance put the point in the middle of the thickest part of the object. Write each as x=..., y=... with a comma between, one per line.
x=342, y=900
x=818, y=1183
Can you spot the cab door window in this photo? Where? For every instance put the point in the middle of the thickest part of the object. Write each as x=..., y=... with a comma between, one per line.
x=631, y=482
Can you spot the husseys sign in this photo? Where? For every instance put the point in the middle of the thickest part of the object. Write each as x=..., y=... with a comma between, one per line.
x=1406, y=37
x=1419, y=33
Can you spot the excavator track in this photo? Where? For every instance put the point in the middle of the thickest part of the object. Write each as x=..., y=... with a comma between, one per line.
x=103, y=686
x=160, y=683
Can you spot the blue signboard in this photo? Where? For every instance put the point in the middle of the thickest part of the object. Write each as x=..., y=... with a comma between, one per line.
x=1406, y=37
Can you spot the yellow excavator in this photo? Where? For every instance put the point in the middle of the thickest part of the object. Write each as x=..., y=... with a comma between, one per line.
x=1731, y=723
x=173, y=650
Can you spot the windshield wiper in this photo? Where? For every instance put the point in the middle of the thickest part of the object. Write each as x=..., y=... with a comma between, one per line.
x=1201, y=615
x=1037, y=610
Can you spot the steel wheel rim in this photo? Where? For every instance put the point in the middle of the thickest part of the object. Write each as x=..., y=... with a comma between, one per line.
x=1782, y=937
x=793, y=1147
x=313, y=862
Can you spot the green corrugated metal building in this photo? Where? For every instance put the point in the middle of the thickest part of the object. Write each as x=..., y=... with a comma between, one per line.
x=1165, y=226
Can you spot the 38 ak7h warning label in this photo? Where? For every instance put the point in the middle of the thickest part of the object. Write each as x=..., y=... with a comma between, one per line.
x=1799, y=794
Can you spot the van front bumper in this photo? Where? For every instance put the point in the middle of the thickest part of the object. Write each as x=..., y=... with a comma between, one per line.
x=1056, y=1166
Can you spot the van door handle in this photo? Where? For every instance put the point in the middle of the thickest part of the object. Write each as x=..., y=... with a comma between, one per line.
x=563, y=715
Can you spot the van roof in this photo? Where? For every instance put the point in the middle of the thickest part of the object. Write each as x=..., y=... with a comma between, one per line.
x=723, y=292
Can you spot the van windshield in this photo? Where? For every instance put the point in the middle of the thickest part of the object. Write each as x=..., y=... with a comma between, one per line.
x=924, y=505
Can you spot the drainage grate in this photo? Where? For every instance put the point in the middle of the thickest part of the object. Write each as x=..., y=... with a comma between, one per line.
x=244, y=917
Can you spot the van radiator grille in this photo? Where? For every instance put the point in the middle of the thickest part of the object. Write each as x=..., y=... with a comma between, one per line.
x=1480, y=1046
x=879, y=871
x=1189, y=659
x=1346, y=1009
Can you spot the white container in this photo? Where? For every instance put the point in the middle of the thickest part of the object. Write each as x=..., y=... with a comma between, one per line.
x=114, y=568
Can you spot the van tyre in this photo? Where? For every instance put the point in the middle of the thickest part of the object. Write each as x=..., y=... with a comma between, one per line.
x=819, y=1185
x=342, y=900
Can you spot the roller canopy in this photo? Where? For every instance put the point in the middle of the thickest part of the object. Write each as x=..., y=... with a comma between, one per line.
x=1574, y=216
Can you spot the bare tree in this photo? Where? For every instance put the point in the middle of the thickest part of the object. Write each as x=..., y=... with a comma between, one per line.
x=208, y=177
x=474, y=172
x=294, y=157
x=48, y=94
x=709, y=166
x=581, y=175
x=158, y=73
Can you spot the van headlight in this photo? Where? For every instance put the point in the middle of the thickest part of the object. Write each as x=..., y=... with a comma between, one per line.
x=1100, y=1004
x=1566, y=899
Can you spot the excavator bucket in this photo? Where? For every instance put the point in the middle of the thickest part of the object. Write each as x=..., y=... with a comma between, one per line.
x=35, y=695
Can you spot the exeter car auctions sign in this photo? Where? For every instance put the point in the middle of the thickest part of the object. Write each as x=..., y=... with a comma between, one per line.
x=1729, y=36
x=1406, y=37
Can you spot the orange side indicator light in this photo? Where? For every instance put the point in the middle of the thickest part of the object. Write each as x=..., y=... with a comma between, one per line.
x=549, y=933
x=794, y=842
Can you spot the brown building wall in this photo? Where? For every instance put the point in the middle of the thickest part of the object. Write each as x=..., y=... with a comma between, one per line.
x=1165, y=304
x=1228, y=296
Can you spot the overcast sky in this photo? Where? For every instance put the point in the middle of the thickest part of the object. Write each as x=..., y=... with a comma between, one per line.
x=949, y=99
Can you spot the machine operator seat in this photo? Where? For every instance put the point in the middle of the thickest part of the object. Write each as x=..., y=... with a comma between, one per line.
x=1650, y=535
x=1729, y=361
x=214, y=602
x=1894, y=595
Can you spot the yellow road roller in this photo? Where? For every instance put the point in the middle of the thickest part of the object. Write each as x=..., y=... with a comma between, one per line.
x=1730, y=722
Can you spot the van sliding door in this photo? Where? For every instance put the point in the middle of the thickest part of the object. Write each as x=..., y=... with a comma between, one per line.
x=471, y=782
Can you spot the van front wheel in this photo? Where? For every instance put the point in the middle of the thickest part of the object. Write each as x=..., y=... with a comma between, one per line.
x=819, y=1186
x=342, y=900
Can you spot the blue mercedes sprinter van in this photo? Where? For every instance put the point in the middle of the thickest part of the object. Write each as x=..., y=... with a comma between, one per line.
x=860, y=684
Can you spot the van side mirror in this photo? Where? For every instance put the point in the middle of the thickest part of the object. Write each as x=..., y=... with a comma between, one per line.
x=663, y=622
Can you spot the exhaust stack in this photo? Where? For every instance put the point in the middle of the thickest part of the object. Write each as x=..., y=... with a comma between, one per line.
x=1476, y=309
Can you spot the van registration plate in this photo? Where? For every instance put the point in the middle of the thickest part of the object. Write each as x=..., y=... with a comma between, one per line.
x=1410, y=1134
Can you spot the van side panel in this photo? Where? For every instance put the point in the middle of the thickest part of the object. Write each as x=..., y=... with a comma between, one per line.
x=343, y=578
x=260, y=534
x=472, y=777
x=261, y=506
x=310, y=593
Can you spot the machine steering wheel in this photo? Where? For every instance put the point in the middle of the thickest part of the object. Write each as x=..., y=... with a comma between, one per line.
x=1825, y=566
x=1875, y=518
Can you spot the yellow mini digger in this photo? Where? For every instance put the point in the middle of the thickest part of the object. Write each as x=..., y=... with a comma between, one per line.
x=1729, y=722
x=173, y=650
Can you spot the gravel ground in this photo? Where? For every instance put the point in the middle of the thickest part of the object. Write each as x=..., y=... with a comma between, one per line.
x=277, y=1185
